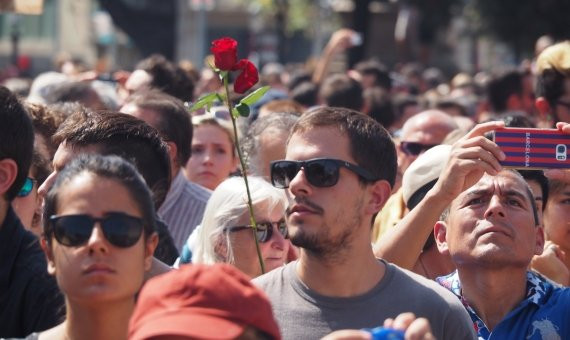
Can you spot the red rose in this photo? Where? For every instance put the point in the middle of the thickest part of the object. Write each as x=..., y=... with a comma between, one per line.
x=225, y=53
x=247, y=78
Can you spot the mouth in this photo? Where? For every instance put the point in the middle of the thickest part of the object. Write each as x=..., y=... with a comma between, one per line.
x=98, y=268
x=494, y=229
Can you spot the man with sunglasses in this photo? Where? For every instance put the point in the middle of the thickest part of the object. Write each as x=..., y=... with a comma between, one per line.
x=339, y=169
x=419, y=133
x=30, y=300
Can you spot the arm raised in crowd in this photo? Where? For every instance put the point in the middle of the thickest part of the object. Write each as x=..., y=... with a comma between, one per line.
x=470, y=158
x=339, y=41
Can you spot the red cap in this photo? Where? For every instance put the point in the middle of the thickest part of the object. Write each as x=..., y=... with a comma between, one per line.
x=201, y=301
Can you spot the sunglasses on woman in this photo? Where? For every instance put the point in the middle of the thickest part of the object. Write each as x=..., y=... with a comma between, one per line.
x=120, y=229
x=27, y=187
x=264, y=229
x=320, y=172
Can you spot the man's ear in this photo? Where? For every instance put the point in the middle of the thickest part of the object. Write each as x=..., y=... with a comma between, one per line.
x=49, y=255
x=379, y=193
x=150, y=246
x=542, y=106
x=440, y=234
x=172, y=153
x=539, y=244
x=8, y=174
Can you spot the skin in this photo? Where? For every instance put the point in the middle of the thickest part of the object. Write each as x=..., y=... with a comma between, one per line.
x=28, y=207
x=273, y=252
x=98, y=279
x=213, y=157
x=272, y=147
x=332, y=225
x=557, y=220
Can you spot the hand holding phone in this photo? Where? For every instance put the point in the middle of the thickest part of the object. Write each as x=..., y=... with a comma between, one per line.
x=527, y=148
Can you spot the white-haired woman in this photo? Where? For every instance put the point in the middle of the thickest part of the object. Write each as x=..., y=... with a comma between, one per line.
x=226, y=235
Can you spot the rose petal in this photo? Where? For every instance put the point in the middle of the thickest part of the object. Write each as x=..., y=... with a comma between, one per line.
x=247, y=78
x=225, y=53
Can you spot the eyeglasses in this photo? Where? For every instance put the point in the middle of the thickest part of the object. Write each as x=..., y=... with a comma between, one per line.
x=320, y=172
x=120, y=229
x=27, y=187
x=264, y=230
x=414, y=149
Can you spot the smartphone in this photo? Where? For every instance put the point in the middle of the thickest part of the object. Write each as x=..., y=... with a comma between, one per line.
x=534, y=148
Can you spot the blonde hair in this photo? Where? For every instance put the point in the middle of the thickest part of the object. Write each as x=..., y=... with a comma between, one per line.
x=225, y=208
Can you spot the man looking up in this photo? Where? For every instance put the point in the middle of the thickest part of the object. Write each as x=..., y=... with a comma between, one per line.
x=30, y=300
x=334, y=190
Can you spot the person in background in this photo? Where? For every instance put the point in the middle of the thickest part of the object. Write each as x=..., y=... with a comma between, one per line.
x=226, y=235
x=99, y=225
x=214, y=157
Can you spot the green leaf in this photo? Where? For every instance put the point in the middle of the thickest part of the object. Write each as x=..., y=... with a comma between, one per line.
x=253, y=97
x=203, y=101
x=243, y=109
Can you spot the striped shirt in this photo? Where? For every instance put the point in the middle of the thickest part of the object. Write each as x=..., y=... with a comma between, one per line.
x=183, y=208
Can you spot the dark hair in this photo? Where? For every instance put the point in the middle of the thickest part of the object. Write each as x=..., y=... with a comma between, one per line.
x=110, y=167
x=370, y=144
x=501, y=87
x=401, y=102
x=305, y=94
x=126, y=136
x=173, y=121
x=538, y=176
x=339, y=90
x=45, y=121
x=168, y=77
x=379, y=106
x=16, y=138
x=378, y=70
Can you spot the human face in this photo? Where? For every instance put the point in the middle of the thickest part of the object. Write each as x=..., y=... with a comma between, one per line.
x=324, y=221
x=97, y=271
x=557, y=218
x=213, y=157
x=492, y=225
x=562, y=106
x=272, y=147
x=273, y=252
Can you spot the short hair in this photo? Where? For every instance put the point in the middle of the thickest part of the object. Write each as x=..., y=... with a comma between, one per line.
x=168, y=77
x=173, y=121
x=556, y=186
x=378, y=70
x=538, y=176
x=251, y=146
x=283, y=105
x=110, y=167
x=553, y=67
x=126, y=136
x=379, y=106
x=501, y=86
x=370, y=144
x=305, y=94
x=401, y=102
x=339, y=90
x=226, y=206
x=16, y=138
x=45, y=121
x=72, y=91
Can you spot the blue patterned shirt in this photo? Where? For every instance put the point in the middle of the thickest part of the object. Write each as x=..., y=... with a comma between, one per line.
x=543, y=315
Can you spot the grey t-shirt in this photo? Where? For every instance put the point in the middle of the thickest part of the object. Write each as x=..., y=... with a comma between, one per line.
x=304, y=314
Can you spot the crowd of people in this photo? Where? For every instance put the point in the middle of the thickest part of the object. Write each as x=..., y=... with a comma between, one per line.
x=379, y=199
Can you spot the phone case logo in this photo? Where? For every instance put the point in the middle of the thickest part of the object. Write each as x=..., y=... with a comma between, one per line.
x=561, y=152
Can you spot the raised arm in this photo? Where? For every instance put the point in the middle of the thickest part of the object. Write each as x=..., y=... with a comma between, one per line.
x=339, y=41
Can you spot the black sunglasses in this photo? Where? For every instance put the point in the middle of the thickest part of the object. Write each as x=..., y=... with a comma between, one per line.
x=320, y=172
x=120, y=229
x=414, y=149
x=264, y=230
x=27, y=187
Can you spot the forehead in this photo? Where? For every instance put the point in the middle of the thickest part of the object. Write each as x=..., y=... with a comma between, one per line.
x=503, y=183
x=319, y=142
x=66, y=153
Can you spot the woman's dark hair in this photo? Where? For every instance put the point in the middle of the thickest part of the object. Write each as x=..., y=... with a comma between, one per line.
x=110, y=167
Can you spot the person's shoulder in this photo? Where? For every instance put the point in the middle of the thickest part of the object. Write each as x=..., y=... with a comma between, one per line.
x=423, y=287
x=197, y=192
x=274, y=278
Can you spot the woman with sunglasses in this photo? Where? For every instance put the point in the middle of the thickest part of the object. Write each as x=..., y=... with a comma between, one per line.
x=226, y=235
x=99, y=238
x=213, y=156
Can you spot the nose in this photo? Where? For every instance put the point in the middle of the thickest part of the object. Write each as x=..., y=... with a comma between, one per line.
x=97, y=242
x=208, y=157
x=495, y=208
x=46, y=185
x=299, y=186
x=277, y=240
